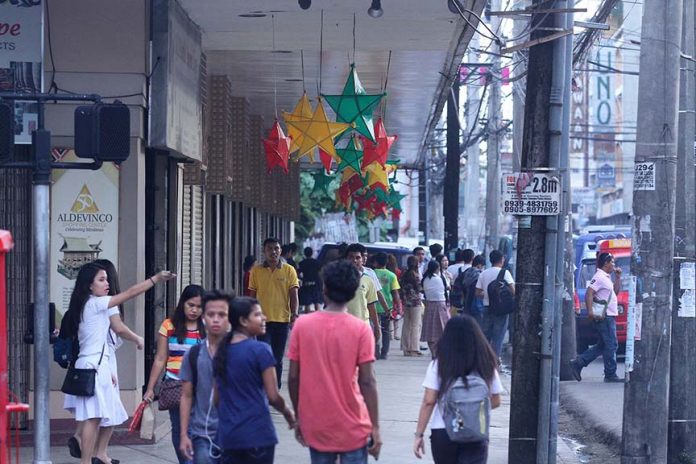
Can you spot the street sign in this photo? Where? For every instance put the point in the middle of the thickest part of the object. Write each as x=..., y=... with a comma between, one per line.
x=531, y=193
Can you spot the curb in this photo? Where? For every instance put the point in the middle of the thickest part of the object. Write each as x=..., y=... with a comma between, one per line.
x=599, y=431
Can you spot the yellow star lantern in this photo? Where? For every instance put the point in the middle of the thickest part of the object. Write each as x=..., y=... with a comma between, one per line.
x=318, y=131
x=377, y=177
x=302, y=112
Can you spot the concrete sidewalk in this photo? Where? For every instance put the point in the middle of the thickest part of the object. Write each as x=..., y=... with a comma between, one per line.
x=596, y=405
x=400, y=394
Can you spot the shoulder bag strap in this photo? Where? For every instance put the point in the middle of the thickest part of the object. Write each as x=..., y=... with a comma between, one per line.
x=501, y=275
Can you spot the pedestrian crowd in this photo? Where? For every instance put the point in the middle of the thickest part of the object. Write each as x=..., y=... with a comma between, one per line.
x=218, y=367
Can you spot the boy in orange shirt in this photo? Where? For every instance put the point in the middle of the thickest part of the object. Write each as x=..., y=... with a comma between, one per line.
x=326, y=349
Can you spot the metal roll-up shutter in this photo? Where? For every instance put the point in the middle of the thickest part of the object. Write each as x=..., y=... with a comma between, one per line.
x=187, y=237
x=197, y=238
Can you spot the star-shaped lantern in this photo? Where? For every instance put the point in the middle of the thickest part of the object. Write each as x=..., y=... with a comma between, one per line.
x=379, y=151
x=350, y=156
x=318, y=132
x=321, y=182
x=302, y=112
x=277, y=147
x=394, y=198
x=354, y=106
x=326, y=160
x=377, y=177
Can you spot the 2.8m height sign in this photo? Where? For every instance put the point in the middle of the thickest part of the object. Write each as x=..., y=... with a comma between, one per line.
x=531, y=194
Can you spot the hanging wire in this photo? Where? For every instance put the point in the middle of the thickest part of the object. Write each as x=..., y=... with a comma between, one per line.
x=275, y=77
x=304, y=89
x=384, y=89
x=354, y=38
x=321, y=49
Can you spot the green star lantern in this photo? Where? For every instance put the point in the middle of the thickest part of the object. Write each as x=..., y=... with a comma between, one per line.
x=351, y=156
x=354, y=106
x=321, y=182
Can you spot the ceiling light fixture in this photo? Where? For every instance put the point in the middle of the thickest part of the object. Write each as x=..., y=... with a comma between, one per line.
x=375, y=10
x=305, y=4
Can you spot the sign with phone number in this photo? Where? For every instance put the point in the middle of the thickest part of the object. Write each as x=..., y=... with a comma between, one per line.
x=531, y=194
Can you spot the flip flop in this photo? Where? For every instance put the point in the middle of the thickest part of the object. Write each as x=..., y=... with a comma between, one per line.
x=74, y=448
x=99, y=461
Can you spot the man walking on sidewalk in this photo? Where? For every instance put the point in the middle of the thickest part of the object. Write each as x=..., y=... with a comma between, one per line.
x=390, y=287
x=602, y=309
x=274, y=283
x=494, y=325
x=198, y=419
x=336, y=410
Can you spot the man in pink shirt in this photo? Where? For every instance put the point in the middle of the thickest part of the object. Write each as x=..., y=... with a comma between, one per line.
x=332, y=380
x=601, y=296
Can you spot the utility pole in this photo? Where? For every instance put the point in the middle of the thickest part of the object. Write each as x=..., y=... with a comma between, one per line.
x=681, y=445
x=518, y=86
x=473, y=169
x=450, y=204
x=646, y=394
x=536, y=250
x=493, y=155
x=568, y=348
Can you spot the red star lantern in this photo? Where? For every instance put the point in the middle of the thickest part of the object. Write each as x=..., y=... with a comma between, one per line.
x=364, y=201
x=379, y=151
x=326, y=160
x=277, y=147
x=396, y=214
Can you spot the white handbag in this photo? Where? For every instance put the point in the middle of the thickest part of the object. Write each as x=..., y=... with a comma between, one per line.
x=599, y=307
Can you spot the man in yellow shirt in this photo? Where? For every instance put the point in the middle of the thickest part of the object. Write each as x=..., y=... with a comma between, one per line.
x=363, y=303
x=274, y=283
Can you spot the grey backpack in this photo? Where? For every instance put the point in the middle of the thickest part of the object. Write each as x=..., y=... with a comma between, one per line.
x=466, y=410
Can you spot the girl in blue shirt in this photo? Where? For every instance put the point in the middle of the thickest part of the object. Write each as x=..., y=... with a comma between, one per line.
x=245, y=384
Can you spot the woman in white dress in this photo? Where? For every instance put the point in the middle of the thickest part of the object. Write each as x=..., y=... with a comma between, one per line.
x=118, y=331
x=90, y=315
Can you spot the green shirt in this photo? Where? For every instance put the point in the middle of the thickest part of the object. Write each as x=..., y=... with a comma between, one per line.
x=389, y=283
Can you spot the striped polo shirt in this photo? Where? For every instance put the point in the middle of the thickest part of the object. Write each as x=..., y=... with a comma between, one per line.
x=177, y=350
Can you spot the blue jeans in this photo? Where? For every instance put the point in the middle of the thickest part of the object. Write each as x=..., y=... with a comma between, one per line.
x=494, y=328
x=249, y=456
x=176, y=434
x=606, y=346
x=201, y=451
x=358, y=456
x=277, y=337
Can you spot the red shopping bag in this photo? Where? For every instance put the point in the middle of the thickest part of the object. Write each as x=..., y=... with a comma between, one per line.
x=137, y=417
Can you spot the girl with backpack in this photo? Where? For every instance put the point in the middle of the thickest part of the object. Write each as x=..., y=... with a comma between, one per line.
x=436, y=290
x=92, y=311
x=177, y=335
x=464, y=361
x=245, y=384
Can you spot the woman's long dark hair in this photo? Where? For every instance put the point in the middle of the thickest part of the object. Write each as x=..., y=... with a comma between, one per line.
x=80, y=294
x=179, y=317
x=112, y=278
x=433, y=266
x=463, y=350
x=240, y=308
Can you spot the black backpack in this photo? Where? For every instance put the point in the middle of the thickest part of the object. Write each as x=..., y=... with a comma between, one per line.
x=457, y=295
x=469, y=280
x=501, y=299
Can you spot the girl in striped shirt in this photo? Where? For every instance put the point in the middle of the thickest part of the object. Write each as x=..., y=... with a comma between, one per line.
x=177, y=335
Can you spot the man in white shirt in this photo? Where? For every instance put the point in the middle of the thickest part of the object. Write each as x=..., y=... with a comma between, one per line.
x=462, y=262
x=494, y=326
x=419, y=253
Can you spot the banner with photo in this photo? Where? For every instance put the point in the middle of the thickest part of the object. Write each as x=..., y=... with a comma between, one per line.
x=21, y=35
x=84, y=223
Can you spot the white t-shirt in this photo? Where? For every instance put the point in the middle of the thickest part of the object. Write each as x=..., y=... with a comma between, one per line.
x=454, y=269
x=434, y=288
x=94, y=327
x=488, y=276
x=432, y=382
x=373, y=275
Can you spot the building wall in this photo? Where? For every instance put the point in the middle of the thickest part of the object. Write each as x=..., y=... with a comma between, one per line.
x=100, y=46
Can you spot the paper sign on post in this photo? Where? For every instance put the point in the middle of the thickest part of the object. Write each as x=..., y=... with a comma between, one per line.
x=531, y=194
